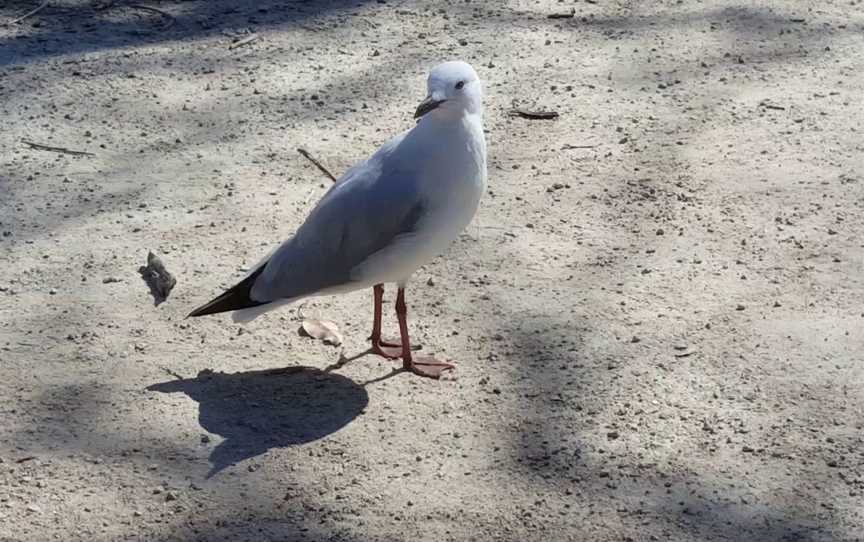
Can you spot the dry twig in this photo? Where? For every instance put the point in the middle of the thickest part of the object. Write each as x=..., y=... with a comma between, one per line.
x=51, y=148
x=245, y=41
x=175, y=374
x=323, y=169
x=535, y=115
x=170, y=18
x=28, y=14
x=569, y=15
x=684, y=354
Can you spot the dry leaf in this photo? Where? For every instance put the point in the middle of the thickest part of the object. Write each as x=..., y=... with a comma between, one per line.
x=323, y=330
x=160, y=281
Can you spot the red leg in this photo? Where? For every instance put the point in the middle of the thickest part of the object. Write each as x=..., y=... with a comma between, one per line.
x=387, y=349
x=423, y=366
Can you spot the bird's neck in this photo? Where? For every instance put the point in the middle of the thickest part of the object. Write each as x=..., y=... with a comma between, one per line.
x=447, y=120
x=456, y=138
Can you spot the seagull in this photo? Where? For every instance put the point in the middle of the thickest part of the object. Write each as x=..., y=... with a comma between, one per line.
x=384, y=218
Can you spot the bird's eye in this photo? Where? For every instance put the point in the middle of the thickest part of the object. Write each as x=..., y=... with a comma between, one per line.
x=459, y=85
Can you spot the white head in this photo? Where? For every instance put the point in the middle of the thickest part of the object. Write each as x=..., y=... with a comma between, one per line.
x=453, y=90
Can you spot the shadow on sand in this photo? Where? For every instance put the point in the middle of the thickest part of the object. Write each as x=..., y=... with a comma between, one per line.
x=259, y=410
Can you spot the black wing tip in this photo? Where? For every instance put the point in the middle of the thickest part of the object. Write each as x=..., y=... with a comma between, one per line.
x=197, y=312
x=236, y=298
x=232, y=300
x=213, y=306
x=202, y=310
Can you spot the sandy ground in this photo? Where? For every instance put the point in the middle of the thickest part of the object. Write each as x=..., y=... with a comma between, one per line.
x=657, y=314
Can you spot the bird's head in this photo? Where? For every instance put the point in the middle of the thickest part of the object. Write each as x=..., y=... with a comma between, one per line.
x=453, y=89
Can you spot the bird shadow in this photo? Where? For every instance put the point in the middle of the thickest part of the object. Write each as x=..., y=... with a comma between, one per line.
x=255, y=411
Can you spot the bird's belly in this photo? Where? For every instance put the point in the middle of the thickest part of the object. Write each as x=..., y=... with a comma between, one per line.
x=446, y=219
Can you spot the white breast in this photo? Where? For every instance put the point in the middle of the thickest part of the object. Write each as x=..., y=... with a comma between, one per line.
x=451, y=191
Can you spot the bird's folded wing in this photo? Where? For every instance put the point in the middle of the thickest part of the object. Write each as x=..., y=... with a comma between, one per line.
x=373, y=206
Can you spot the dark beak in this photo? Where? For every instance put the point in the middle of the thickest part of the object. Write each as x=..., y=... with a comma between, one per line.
x=426, y=106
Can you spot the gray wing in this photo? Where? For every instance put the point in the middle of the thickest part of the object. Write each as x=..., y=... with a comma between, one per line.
x=373, y=204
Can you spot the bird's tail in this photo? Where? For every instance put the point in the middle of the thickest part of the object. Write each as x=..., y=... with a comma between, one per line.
x=236, y=298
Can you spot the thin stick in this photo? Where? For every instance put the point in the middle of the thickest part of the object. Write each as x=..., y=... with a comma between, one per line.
x=685, y=354
x=156, y=10
x=173, y=373
x=28, y=14
x=62, y=150
x=323, y=169
x=245, y=41
x=541, y=115
x=568, y=15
